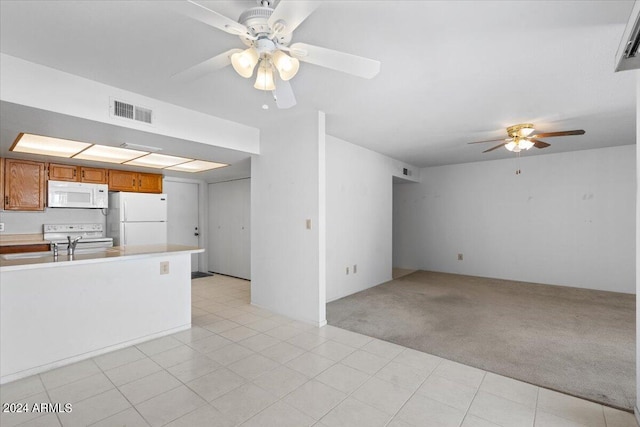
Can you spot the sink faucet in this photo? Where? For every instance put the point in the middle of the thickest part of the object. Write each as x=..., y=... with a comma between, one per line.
x=54, y=248
x=72, y=244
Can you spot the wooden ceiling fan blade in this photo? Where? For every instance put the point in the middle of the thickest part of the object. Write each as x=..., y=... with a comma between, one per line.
x=283, y=95
x=289, y=14
x=496, y=147
x=487, y=140
x=206, y=67
x=196, y=11
x=539, y=144
x=335, y=60
x=562, y=133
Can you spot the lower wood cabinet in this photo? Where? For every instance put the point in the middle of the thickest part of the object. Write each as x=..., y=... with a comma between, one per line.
x=14, y=249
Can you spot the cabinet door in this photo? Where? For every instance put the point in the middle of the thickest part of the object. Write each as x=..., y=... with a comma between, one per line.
x=149, y=183
x=123, y=180
x=93, y=175
x=24, y=185
x=1, y=183
x=59, y=172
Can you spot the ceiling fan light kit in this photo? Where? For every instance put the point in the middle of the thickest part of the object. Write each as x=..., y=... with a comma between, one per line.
x=267, y=33
x=521, y=137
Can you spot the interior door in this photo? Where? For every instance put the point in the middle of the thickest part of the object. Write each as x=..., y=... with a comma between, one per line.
x=182, y=215
x=229, y=234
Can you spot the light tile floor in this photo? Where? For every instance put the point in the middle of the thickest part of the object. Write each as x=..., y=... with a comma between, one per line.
x=242, y=365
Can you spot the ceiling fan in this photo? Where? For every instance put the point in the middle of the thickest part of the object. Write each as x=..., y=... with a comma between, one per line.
x=267, y=32
x=521, y=138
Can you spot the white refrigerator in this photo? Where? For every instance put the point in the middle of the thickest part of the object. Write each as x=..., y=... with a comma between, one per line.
x=137, y=218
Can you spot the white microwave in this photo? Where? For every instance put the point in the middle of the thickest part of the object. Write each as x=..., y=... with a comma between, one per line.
x=64, y=194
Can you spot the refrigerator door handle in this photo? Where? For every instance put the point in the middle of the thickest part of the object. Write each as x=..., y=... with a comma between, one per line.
x=124, y=235
x=124, y=210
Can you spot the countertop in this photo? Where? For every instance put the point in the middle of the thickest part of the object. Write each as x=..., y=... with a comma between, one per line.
x=22, y=239
x=27, y=261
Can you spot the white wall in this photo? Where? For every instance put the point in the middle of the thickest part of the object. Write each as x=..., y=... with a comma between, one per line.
x=637, y=411
x=287, y=263
x=568, y=219
x=33, y=85
x=31, y=222
x=359, y=216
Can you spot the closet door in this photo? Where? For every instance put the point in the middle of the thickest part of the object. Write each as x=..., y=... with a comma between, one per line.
x=229, y=233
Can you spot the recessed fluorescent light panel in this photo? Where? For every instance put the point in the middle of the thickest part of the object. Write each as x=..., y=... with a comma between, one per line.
x=47, y=146
x=103, y=153
x=159, y=161
x=197, y=166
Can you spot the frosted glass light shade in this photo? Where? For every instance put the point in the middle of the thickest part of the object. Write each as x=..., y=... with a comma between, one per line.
x=159, y=161
x=525, y=144
x=47, y=146
x=264, y=80
x=287, y=66
x=526, y=131
x=197, y=166
x=103, y=153
x=244, y=62
x=511, y=146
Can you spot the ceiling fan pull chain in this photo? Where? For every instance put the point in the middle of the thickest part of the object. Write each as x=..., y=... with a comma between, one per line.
x=518, y=171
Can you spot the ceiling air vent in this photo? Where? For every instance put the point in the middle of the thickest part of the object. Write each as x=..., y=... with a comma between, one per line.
x=129, y=111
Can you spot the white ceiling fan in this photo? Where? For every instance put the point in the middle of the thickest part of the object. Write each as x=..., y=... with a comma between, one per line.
x=267, y=32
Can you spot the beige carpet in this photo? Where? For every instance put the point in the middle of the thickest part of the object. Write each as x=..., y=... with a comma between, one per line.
x=576, y=341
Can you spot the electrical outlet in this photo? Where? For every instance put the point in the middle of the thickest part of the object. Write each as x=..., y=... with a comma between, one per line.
x=1, y=226
x=355, y=268
x=347, y=271
x=460, y=257
x=164, y=267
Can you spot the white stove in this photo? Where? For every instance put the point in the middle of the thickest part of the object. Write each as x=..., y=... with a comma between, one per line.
x=92, y=235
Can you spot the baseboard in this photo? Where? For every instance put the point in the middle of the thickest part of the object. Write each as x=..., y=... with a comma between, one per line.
x=316, y=323
x=70, y=360
x=636, y=412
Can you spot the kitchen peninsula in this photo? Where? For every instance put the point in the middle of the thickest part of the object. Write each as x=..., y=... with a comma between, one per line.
x=56, y=311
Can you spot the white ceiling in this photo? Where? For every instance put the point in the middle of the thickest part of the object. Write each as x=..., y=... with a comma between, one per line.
x=452, y=71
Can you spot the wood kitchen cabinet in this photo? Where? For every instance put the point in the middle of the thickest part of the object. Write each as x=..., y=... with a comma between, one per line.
x=14, y=249
x=135, y=181
x=2, y=183
x=24, y=185
x=58, y=172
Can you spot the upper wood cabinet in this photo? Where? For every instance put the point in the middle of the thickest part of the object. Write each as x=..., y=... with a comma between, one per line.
x=135, y=181
x=24, y=185
x=58, y=172
x=150, y=183
x=94, y=175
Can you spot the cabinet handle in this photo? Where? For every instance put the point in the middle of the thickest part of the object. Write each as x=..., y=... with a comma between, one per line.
x=74, y=173
x=6, y=200
x=82, y=174
x=139, y=183
x=133, y=183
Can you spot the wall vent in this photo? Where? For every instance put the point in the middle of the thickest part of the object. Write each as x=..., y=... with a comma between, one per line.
x=129, y=111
